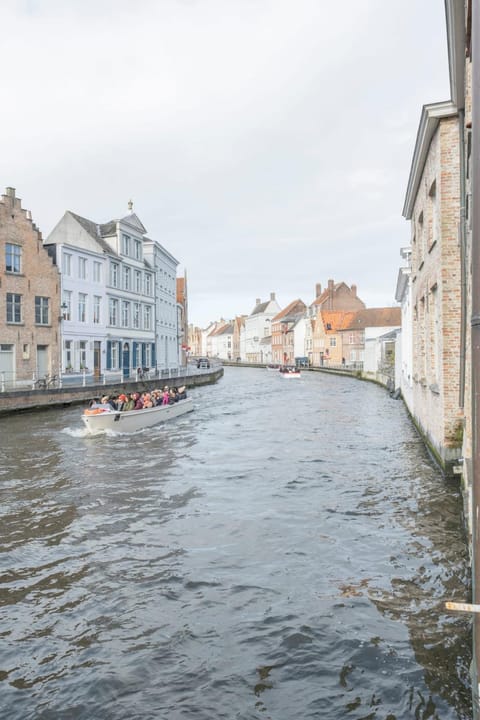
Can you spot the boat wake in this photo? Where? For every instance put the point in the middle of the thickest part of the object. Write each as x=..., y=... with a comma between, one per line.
x=77, y=432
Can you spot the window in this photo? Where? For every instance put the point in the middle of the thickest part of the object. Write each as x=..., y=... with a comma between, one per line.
x=114, y=354
x=82, y=353
x=41, y=310
x=68, y=354
x=125, y=313
x=138, y=281
x=148, y=284
x=148, y=355
x=136, y=315
x=333, y=342
x=14, y=308
x=67, y=305
x=147, y=315
x=97, y=308
x=97, y=272
x=138, y=250
x=126, y=278
x=351, y=339
x=67, y=264
x=82, y=307
x=113, y=312
x=125, y=244
x=13, y=258
x=82, y=268
x=114, y=274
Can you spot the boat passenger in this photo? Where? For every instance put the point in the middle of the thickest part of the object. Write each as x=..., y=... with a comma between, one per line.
x=138, y=402
x=130, y=404
x=166, y=396
x=182, y=392
x=121, y=400
x=147, y=401
x=173, y=395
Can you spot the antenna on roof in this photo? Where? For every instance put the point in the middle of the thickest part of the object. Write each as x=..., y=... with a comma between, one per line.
x=130, y=206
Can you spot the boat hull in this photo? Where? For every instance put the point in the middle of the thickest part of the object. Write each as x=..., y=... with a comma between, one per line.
x=134, y=420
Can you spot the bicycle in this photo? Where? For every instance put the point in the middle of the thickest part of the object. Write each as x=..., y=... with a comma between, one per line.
x=48, y=381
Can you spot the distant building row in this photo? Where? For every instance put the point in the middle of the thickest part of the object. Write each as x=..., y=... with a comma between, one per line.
x=91, y=297
x=334, y=329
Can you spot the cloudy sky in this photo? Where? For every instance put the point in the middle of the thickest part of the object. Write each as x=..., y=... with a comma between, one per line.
x=265, y=143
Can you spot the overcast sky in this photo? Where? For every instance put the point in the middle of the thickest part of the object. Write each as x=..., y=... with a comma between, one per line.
x=265, y=143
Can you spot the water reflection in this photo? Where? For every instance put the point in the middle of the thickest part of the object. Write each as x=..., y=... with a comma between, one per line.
x=268, y=556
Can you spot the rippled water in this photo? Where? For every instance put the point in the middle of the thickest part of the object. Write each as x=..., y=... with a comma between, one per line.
x=283, y=552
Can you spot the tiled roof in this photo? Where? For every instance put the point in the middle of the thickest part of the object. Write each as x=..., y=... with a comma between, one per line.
x=260, y=308
x=294, y=309
x=335, y=321
x=95, y=231
x=375, y=317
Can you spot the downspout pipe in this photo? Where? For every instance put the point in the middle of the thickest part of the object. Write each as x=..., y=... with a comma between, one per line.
x=475, y=357
x=463, y=261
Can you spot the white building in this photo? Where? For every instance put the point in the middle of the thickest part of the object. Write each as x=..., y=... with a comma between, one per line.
x=404, y=359
x=108, y=294
x=164, y=266
x=257, y=327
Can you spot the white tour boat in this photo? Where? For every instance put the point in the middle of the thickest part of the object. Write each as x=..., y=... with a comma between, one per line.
x=289, y=372
x=100, y=421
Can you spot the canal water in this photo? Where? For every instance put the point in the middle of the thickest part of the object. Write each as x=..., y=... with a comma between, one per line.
x=281, y=553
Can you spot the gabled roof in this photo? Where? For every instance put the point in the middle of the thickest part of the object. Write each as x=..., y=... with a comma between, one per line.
x=336, y=320
x=260, y=308
x=291, y=312
x=375, y=317
x=134, y=221
x=94, y=230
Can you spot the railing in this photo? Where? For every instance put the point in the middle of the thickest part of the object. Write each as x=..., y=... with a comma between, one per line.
x=9, y=382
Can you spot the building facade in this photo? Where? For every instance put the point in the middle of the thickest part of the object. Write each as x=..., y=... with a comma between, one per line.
x=29, y=299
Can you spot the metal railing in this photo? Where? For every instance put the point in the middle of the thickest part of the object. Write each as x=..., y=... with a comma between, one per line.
x=83, y=378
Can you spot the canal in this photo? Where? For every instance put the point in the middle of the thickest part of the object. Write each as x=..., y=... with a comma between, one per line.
x=282, y=552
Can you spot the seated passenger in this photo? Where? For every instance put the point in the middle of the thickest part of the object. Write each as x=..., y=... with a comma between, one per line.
x=130, y=404
x=182, y=392
x=147, y=401
x=138, y=402
x=165, y=396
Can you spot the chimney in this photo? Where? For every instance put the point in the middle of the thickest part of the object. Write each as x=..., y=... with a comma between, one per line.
x=272, y=296
x=354, y=290
x=10, y=192
x=257, y=301
x=330, y=294
x=130, y=206
x=318, y=290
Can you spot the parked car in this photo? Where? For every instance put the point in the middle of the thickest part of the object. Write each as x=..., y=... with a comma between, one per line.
x=203, y=363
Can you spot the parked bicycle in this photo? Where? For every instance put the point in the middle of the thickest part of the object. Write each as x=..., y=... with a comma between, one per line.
x=48, y=381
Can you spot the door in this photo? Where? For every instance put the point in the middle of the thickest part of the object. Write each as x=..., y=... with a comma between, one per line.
x=7, y=366
x=126, y=360
x=97, y=355
x=42, y=360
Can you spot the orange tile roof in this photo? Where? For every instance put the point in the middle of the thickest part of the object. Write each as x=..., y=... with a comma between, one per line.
x=338, y=320
x=375, y=317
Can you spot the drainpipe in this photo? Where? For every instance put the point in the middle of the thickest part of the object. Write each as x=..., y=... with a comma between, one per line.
x=463, y=261
x=475, y=326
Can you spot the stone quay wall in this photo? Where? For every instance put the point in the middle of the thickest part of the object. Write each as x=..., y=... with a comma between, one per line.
x=63, y=397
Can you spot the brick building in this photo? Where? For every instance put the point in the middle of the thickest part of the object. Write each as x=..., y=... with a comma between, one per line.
x=283, y=325
x=432, y=205
x=29, y=298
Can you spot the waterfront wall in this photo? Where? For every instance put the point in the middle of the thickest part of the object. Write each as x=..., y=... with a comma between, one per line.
x=41, y=399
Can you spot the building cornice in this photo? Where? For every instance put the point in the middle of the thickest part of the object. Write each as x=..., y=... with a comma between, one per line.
x=430, y=118
x=455, y=20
